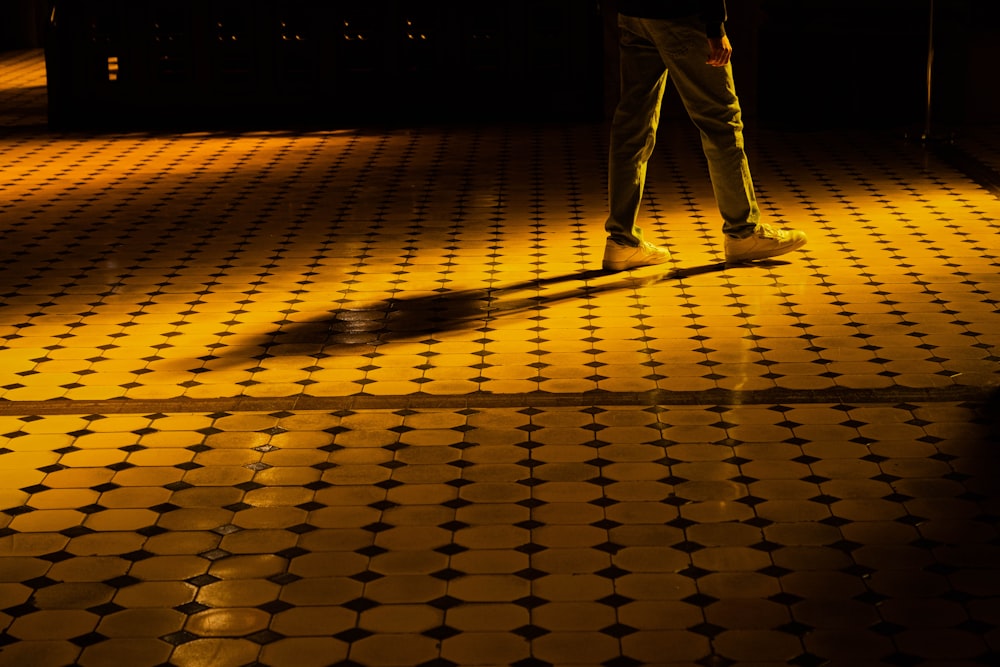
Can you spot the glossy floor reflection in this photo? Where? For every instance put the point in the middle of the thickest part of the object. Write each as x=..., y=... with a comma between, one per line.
x=364, y=397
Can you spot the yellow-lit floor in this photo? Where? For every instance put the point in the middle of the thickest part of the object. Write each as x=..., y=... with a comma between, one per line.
x=363, y=397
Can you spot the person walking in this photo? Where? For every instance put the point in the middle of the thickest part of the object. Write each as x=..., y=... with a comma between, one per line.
x=685, y=39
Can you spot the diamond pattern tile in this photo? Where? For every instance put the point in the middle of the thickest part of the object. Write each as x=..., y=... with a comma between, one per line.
x=360, y=396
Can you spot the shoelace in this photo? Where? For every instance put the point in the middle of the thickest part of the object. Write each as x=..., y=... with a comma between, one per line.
x=768, y=232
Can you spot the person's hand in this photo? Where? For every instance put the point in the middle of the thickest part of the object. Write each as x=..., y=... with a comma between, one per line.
x=720, y=51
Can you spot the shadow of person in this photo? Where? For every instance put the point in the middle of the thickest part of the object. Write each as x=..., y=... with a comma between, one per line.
x=407, y=317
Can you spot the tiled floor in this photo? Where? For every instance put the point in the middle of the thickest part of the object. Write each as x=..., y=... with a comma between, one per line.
x=355, y=397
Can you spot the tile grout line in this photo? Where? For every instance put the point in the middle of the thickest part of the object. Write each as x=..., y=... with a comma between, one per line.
x=485, y=400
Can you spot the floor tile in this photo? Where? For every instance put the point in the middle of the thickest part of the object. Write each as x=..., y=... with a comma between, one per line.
x=362, y=396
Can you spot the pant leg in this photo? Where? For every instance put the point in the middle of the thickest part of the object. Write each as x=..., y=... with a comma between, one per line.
x=633, y=129
x=709, y=96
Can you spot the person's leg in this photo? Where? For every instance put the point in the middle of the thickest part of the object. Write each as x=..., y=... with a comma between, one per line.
x=709, y=96
x=633, y=130
x=633, y=136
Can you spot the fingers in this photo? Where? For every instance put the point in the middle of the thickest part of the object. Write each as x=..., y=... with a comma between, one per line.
x=720, y=52
x=719, y=60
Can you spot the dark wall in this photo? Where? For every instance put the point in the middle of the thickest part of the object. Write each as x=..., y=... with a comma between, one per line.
x=865, y=62
x=966, y=88
x=842, y=62
x=121, y=61
x=22, y=24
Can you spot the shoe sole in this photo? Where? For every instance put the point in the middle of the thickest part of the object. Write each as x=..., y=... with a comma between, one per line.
x=765, y=255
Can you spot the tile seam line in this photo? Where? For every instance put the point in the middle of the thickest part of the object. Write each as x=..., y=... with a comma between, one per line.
x=836, y=396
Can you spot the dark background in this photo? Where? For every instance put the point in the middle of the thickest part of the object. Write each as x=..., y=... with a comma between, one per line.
x=799, y=64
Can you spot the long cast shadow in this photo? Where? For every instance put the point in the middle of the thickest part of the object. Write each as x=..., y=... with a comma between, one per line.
x=406, y=318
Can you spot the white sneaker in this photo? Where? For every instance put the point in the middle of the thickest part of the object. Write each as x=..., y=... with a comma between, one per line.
x=766, y=241
x=618, y=257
